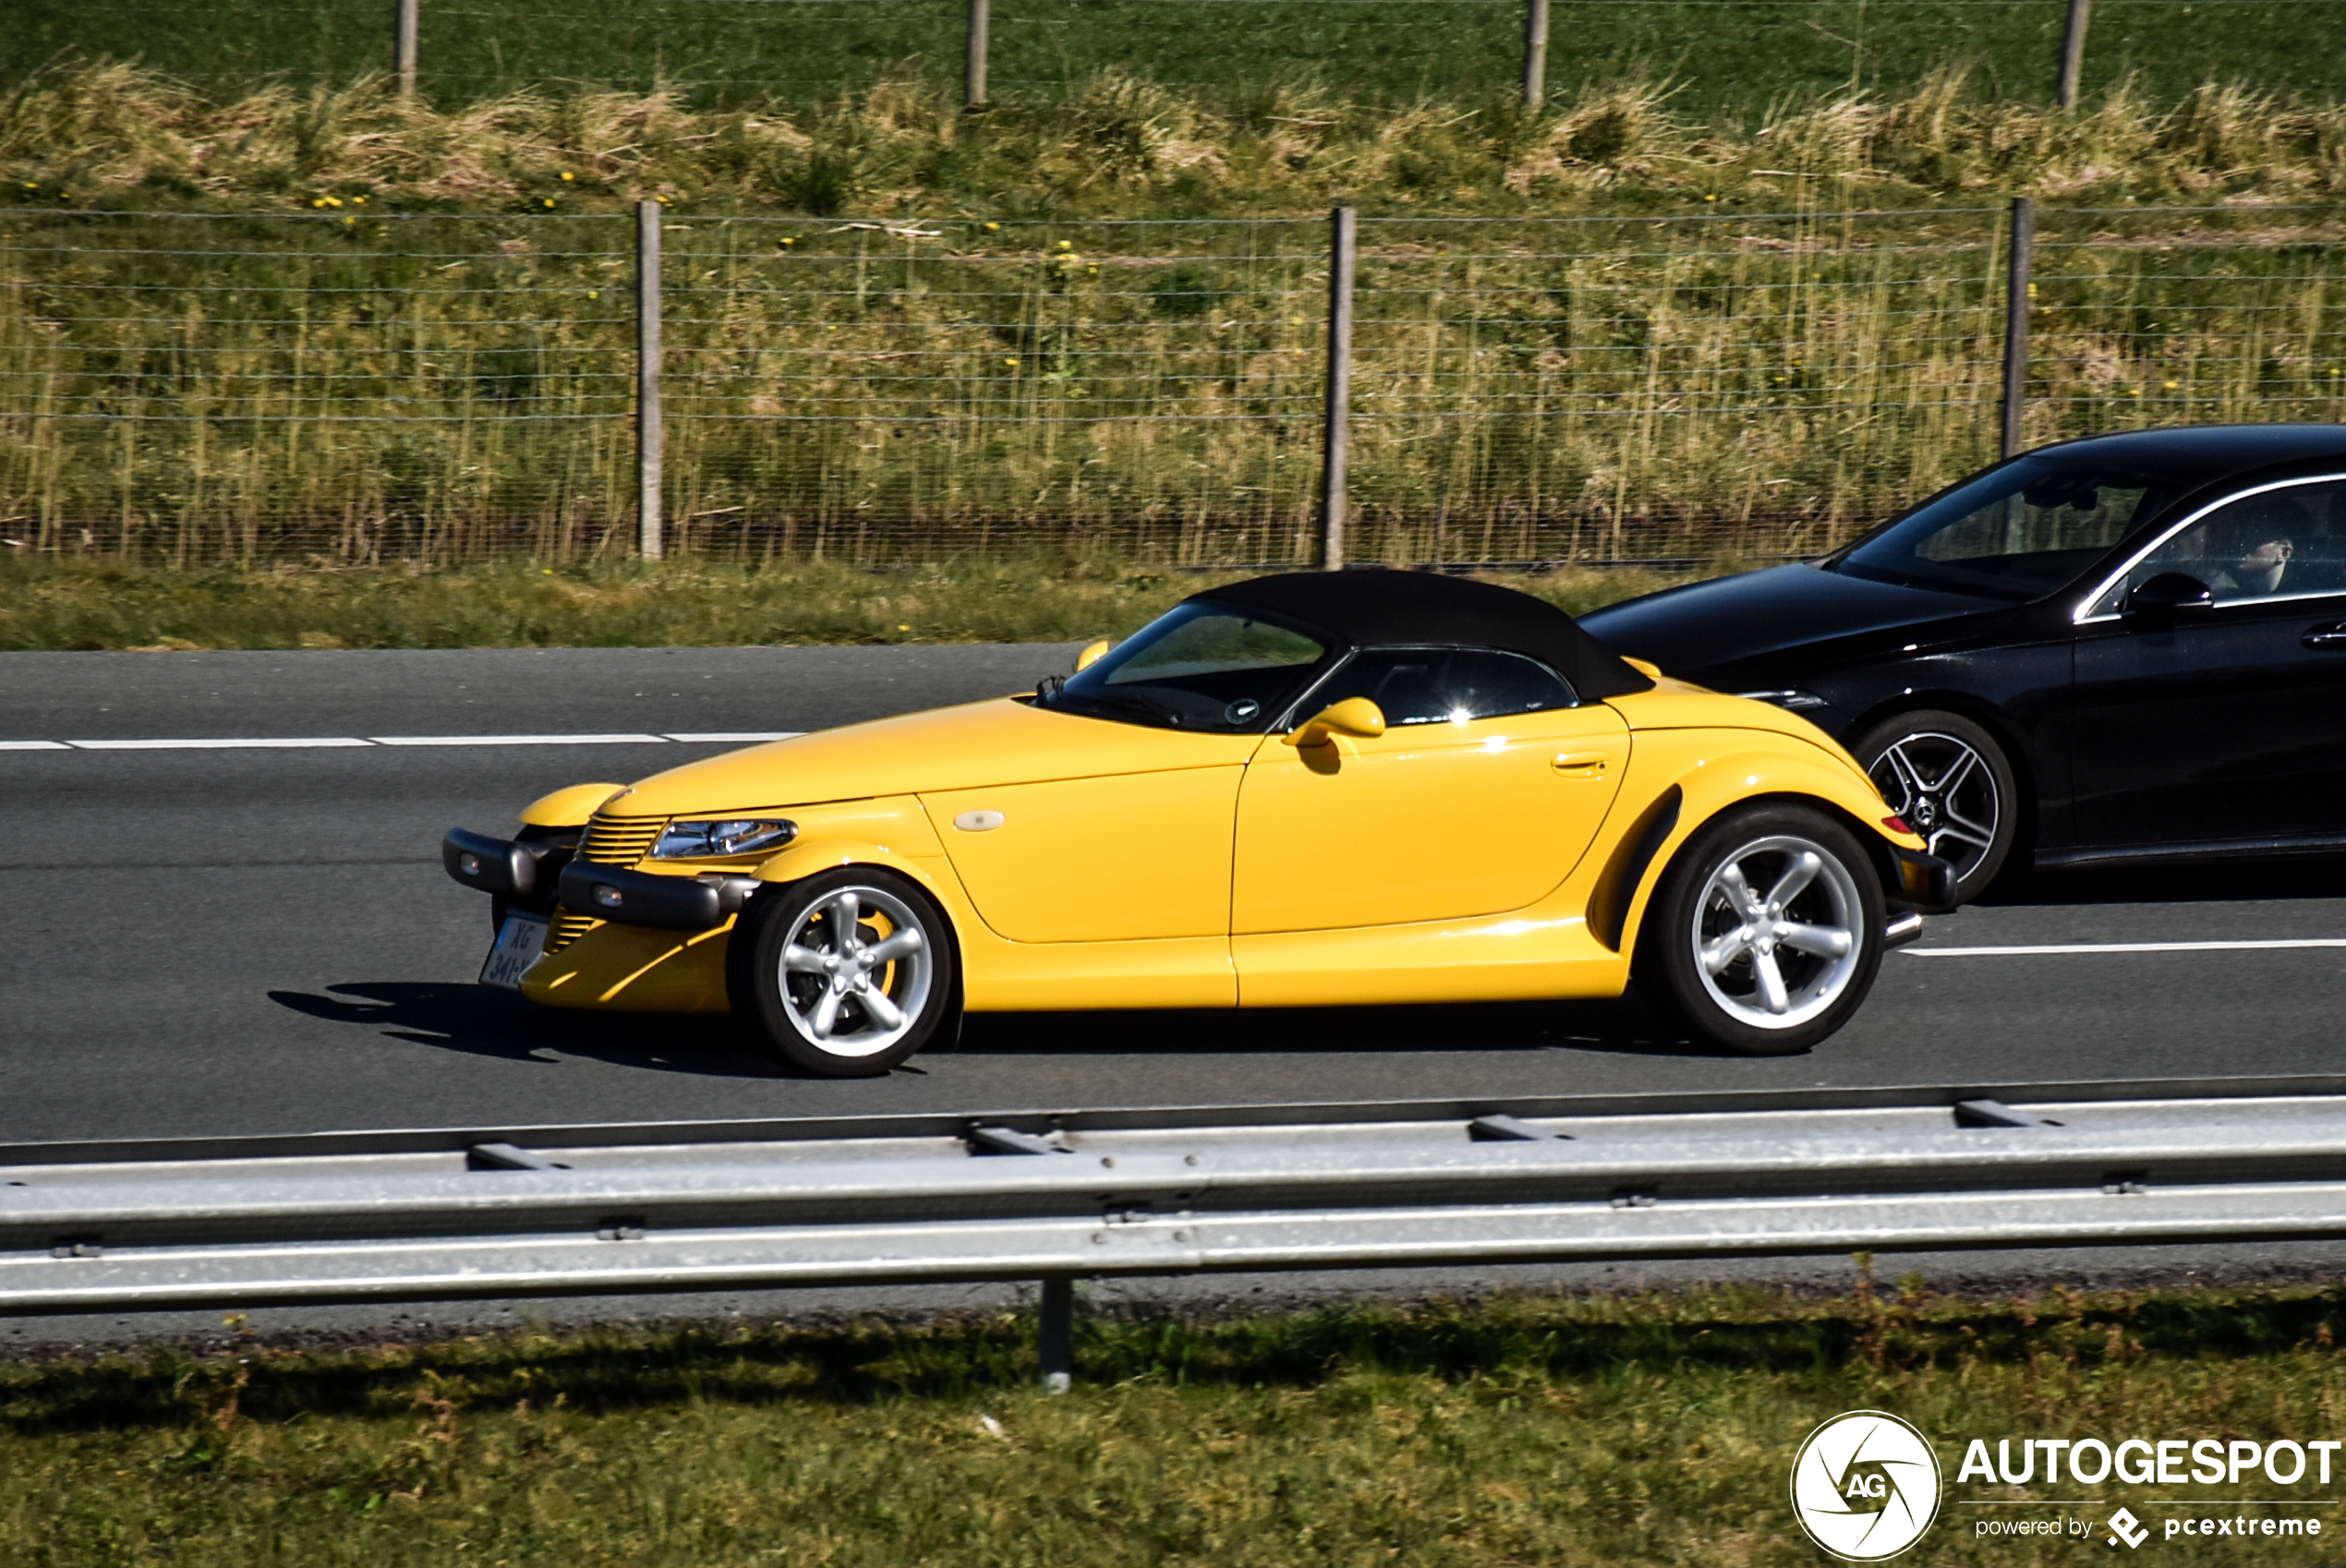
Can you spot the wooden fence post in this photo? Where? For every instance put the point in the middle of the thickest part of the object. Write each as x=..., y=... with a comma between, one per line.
x=1337, y=433
x=650, y=434
x=974, y=55
x=2073, y=53
x=403, y=54
x=1535, y=52
x=2020, y=251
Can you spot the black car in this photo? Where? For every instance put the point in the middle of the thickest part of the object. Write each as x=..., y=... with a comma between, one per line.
x=2124, y=648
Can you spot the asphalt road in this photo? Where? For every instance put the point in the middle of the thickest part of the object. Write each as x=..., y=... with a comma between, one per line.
x=260, y=940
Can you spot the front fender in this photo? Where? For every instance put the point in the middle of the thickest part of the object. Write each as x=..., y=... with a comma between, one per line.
x=569, y=807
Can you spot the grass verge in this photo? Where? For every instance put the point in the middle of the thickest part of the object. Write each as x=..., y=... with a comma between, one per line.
x=1656, y=1429
x=49, y=603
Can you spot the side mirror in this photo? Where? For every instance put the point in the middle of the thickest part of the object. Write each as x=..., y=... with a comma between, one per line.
x=2169, y=593
x=1356, y=716
x=1090, y=655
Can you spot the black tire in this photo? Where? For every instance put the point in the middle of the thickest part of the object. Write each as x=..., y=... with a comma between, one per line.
x=786, y=1006
x=1951, y=781
x=1694, y=911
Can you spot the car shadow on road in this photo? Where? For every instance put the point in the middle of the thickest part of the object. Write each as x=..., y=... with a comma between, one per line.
x=2308, y=876
x=1620, y=1026
x=480, y=1021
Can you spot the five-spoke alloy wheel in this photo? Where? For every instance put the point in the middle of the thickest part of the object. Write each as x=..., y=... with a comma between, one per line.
x=1949, y=780
x=847, y=974
x=1765, y=932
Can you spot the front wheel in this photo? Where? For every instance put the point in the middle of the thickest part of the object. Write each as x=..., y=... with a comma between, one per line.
x=845, y=974
x=1765, y=932
x=1947, y=778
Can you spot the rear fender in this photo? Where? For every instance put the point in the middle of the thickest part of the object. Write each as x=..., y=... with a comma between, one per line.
x=1793, y=771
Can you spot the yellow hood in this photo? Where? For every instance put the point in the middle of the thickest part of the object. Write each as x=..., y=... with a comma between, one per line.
x=976, y=745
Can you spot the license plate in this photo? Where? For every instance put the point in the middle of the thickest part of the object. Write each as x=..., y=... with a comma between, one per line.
x=519, y=942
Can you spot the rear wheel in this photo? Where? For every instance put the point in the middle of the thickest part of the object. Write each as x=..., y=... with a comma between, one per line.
x=1765, y=932
x=1949, y=780
x=845, y=974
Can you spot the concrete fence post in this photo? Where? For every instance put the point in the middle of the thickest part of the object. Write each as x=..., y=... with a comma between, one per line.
x=2019, y=252
x=1336, y=432
x=403, y=53
x=650, y=434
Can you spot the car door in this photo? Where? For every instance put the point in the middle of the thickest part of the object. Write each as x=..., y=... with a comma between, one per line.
x=1486, y=787
x=2226, y=723
x=1122, y=857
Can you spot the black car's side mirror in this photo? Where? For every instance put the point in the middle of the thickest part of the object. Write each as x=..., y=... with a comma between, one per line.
x=2169, y=593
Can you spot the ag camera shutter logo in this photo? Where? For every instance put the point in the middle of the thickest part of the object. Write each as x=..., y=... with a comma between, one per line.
x=1866, y=1485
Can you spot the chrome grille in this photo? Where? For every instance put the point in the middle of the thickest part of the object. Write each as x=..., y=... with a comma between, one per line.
x=568, y=928
x=620, y=840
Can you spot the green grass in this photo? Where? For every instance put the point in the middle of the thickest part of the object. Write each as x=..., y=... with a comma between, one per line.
x=1733, y=60
x=1654, y=1430
x=46, y=603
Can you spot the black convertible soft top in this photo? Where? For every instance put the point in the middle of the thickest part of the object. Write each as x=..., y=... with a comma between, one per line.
x=1387, y=609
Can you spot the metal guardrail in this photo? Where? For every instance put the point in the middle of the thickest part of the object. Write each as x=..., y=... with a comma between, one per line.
x=397, y=1216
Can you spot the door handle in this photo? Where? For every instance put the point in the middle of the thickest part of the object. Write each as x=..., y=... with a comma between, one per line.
x=2333, y=635
x=1571, y=765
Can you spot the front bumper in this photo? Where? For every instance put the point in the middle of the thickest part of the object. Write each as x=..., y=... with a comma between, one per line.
x=537, y=876
x=1924, y=883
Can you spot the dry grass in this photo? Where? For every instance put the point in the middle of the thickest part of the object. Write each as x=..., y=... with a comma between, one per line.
x=432, y=362
x=1121, y=145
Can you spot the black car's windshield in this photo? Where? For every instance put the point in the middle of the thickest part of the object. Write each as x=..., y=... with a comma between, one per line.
x=2017, y=532
x=1197, y=667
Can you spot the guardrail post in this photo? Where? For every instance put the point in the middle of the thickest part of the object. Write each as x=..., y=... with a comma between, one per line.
x=1535, y=52
x=1336, y=435
x=1055, y=1335
x=2073, y=53
x=2020, y=250
x=974, y=55
x=650, y=433
x=403, y=54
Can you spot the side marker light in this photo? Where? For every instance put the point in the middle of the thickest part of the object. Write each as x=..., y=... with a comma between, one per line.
x=1896, y=825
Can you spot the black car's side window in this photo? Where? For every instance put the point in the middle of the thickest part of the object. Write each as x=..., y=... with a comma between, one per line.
x=2277, y=543
x=1446, y=686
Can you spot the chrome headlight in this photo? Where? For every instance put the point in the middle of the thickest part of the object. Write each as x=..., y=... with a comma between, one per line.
x=724, y=837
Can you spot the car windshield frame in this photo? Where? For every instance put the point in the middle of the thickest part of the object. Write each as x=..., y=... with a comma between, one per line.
x=1192, y=706
x=1888, y=554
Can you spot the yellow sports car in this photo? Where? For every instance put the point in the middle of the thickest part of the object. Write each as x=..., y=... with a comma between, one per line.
x=1315, y=789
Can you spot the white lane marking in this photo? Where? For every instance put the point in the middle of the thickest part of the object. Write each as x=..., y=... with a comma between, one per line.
x=223, y=744
x=519, y=740
x=34, y=746
x=737, y=736
x=2067, y=948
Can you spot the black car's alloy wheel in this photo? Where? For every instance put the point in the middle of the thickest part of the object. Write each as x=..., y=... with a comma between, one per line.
x=1947, y=777
x=1765, y=932
x=845, y=974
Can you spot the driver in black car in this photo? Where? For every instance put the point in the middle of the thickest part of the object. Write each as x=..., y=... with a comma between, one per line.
x=2244, y=553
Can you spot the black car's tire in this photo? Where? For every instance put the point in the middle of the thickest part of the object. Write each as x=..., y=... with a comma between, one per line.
x=851, y=1007
x=1949, y=778
x=1753, y=884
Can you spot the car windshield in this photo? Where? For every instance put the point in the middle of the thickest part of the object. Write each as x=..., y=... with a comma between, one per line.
x=1196, y=667
x=2019, y=531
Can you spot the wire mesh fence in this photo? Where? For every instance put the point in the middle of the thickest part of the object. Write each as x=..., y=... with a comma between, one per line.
x=353, y=388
